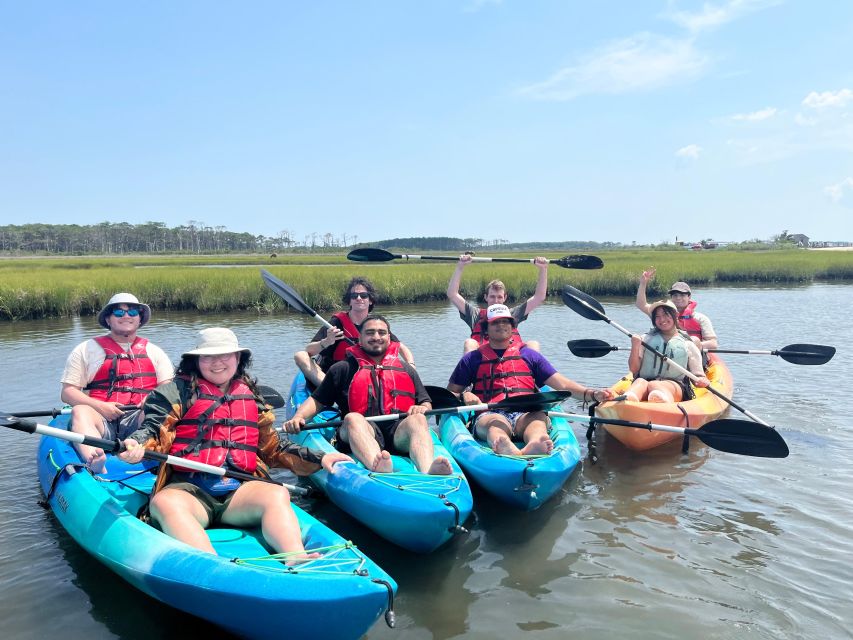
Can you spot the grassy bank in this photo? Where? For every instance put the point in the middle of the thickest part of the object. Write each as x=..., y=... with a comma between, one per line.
x=46, y=287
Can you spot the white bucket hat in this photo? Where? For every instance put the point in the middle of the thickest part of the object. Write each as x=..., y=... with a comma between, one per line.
x=128, y=299
x=216, y=341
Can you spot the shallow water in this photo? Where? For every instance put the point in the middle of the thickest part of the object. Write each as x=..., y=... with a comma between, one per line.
x=659, y=545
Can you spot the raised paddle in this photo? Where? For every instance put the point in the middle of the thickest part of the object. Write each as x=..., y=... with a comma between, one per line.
x=451, y=404
x=809, y=354
x=368, y=254
x=117, y=446
x=292, y=298
x=272, y=397
x=590, y=308
x=727, y=434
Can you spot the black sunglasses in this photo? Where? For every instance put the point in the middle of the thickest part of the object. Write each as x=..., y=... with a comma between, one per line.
x=361, y=294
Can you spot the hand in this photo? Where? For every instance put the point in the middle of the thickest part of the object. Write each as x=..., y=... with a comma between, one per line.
x=540, y=262
x=333, y=334
x=464, y=260
x=470, y=398
x=330, y=459
x=701, y=382
x=133, y=451
x=636, y=341
x=294, y=425
x=603, y=395
x=110, y=410
x=649, y=274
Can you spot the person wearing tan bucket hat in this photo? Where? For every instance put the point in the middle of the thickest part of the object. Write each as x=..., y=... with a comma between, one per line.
x=695, y=323
x=212, y=412
x=106, y=372
x=654, y=380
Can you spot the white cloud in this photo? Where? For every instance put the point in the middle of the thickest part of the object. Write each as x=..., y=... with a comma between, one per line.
x=643, y=61
x=804, y=121
x=842, y=192
x=827, y=99
x=714, y=15
x=691, y=151
x=756, y=116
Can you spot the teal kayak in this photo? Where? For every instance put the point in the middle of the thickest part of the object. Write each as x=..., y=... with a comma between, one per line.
x=414, y=510
x=524, y=482
x=242, y=589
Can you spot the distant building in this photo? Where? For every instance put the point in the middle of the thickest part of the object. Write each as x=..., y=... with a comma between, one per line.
x=799, y=239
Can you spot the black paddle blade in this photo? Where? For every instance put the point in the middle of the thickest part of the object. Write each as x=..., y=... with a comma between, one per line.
x=579, y=261
x=743, y=437
x=368, y=254
x=284, y=292
x=532, y=401
x=806, y=353
x=271, y=397
x=442, y=398
x=574, y=299
x=590, y=348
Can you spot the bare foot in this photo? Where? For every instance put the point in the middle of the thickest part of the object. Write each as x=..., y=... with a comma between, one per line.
x=658, y=396
x=300, y=558
x=382, y=463
x=440, y=467
x=97, y=462
x=541, y=446
x=504, y=446
x=630, y=396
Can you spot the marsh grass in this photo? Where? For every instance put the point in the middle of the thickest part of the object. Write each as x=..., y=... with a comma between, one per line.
x=47, y=287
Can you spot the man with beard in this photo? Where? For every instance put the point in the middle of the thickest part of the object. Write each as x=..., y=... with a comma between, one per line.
x=372, y=381
x=103, y=373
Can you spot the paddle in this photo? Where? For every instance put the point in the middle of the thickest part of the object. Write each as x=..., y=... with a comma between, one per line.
x=727, y=434
x=272, y=397
x=292, y=298
x=116, y=446
x=368, y=254
x=590, y=308
x=808, y=354
x=451, y=404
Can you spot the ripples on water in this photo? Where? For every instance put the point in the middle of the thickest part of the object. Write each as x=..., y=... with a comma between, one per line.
x=708, y=545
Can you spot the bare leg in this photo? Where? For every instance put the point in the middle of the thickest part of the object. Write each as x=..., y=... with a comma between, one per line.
x=309, y=367
x=533, y=427
x=413, y=435
x=85, y=420
x=181, y=516
x=664, y=391
x=357, y=432
x=496, y=431
x=269, y=505
x=638, y=390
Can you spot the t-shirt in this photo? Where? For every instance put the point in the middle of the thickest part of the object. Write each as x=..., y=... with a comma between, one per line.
x=705, y=325
x=471, y=315
x=335, y=386
x=88, y=356
x=465, y=372
x=325, y=358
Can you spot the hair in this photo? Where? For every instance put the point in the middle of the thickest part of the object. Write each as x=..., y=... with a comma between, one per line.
x=188, y=368
x=377, y=316
x=495, y=284
x=364, y=282
x=672, y=314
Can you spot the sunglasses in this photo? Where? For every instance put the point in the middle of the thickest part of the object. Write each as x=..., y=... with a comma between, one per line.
x=119, y=313
x=361, y=294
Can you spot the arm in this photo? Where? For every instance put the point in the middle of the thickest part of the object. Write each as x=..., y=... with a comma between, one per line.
x=636, y=357
x=453, y=286
x=406, y=354
x=562, y=383
x=541, y=292
x=694, y=365
x=641, y=302
x=709, y=337
x=304, y=413
x=324, y=339
x=74, y=395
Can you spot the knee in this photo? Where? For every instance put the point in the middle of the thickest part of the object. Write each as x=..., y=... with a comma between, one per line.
x=470, y=345
x=301, y=359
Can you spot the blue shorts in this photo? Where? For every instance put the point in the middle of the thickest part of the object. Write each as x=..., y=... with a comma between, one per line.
x=511, y=416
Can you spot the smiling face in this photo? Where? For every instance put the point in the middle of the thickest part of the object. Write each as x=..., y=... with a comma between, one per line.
x=126, y=326
x=500, y=331
x=359, y=299
x=375, y=338
x=219, y=369
x=680, y=300
x=663, y=320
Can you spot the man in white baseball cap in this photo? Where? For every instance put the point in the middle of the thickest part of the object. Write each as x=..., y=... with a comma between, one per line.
x=107, y=372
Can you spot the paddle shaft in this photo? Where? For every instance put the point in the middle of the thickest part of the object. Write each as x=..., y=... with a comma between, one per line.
x=63, y=412
x=672, y=364
x=116, y=446
x=405, y=256
x=578, y=417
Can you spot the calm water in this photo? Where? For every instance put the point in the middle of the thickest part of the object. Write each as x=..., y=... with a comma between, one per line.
x=707, y=545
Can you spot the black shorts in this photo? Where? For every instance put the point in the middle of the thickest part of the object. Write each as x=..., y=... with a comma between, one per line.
x=383, y=432
x=215, y=506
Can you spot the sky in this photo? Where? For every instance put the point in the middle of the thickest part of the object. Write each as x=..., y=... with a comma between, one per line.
x=520, y=120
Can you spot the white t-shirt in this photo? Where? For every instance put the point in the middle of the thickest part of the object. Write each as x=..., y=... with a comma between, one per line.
x=87, y=357
x=705, y=325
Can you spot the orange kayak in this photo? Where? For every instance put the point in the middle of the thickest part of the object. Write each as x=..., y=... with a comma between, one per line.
x=691, y=413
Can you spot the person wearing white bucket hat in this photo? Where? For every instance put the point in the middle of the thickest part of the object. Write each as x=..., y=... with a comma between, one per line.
x=212, y=412
x=106, y=372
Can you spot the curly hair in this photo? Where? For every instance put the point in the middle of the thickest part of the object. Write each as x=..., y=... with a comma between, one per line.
x=364, y=282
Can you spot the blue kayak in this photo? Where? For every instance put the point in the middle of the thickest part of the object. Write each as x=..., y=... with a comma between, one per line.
x=243, y=589
x=524, y=482
x=414, y=510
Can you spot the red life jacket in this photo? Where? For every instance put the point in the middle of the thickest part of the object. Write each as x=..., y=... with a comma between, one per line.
x=220, y=429
x=480, y=331
x=687, y=322
x=379, y=389
x=125, y=377
x=501, y=377
x=350, y=331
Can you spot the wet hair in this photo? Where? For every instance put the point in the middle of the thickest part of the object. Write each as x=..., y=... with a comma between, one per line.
x=188, y=368
x=364, y=282
x=672, y=314
x=377, y=316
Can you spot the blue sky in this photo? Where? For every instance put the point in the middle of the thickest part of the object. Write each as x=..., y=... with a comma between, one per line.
x=521, y=120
